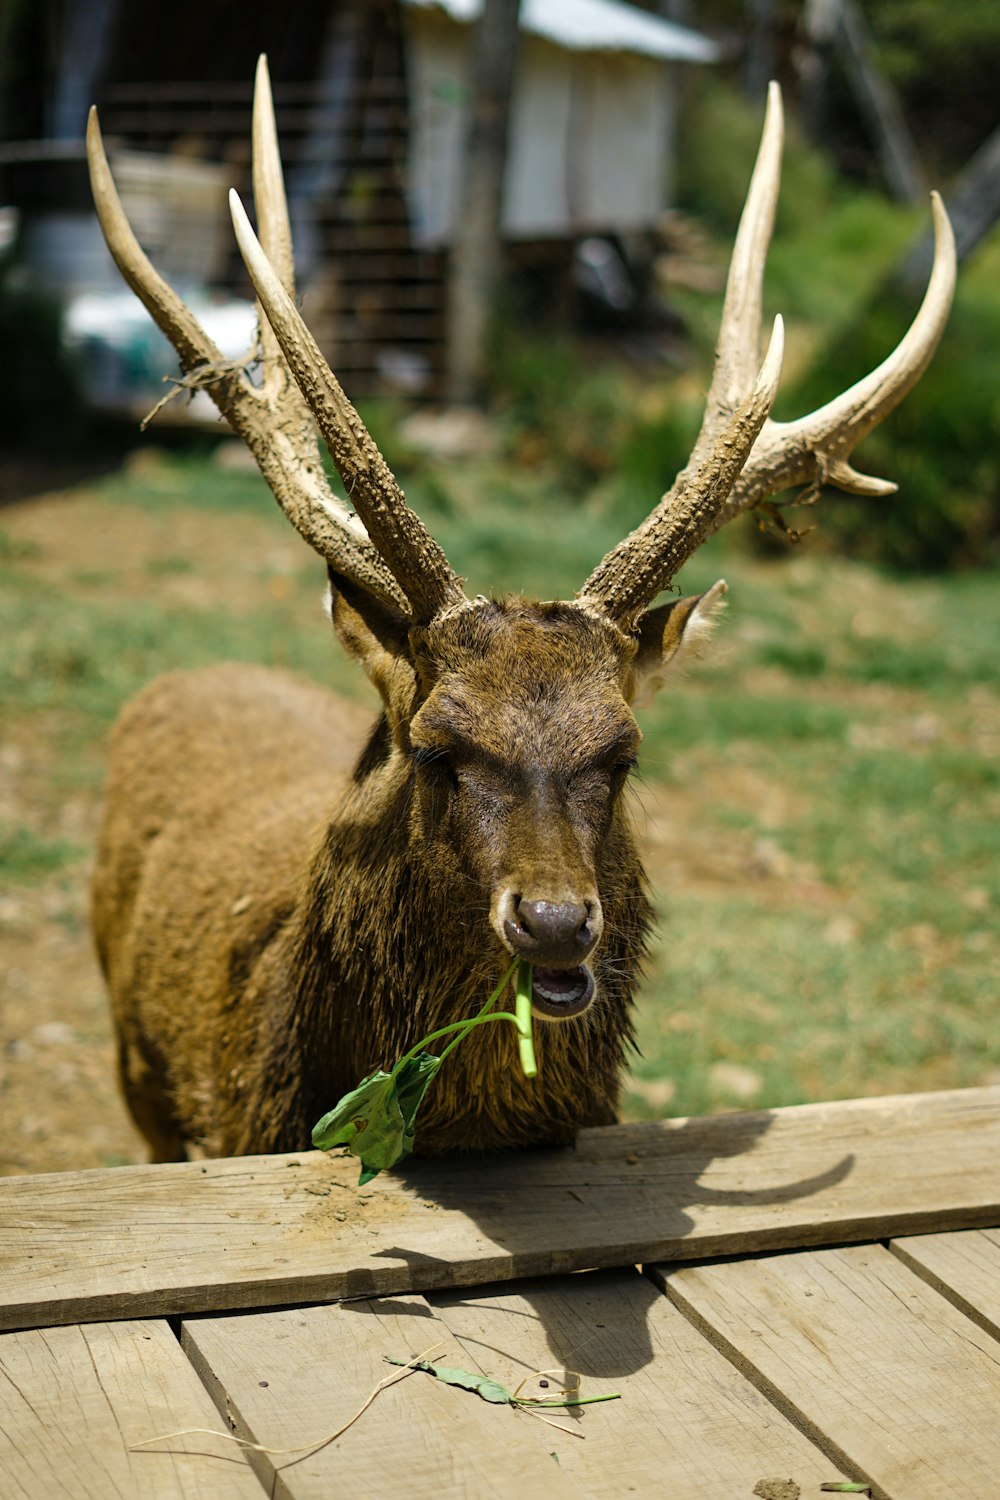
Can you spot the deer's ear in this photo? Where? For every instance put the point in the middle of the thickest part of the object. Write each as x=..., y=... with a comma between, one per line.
x=672, y=635
x=377, y=636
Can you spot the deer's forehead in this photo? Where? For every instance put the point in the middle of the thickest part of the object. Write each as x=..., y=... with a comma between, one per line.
x=535, y=639
x=519, y=676
x=510, y=707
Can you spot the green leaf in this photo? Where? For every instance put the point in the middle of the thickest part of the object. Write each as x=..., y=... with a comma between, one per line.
x=375, y=1121
x=351, y=1114
x=490, y=1390
x=412, y=1082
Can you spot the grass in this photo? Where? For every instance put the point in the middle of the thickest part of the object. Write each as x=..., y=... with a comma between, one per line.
x=863, y=955
x=25, y=858
x=821, y=805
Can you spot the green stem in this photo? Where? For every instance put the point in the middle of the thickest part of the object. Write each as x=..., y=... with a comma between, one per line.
x=530, y=1068
x=522, y=1009
x=462, y=1026
x=480, y=1020
x=504, y=980
x=568, y=1401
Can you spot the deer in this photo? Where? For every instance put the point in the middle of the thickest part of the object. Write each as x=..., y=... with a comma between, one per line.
x=286, y=895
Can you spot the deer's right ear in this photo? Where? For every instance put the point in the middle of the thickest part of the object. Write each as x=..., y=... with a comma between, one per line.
x=673, y=634
x=377, y=636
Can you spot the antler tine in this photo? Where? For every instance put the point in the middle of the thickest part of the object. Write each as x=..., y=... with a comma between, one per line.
x=413, y=556
x=735, y=411
x=739, y=332
x=816, y=448
x=650, y=557
x=162, y=303
x=282, y=443
x=269, y=182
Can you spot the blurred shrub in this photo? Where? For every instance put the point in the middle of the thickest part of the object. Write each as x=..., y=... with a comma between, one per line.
x=599, y=426
x=654, y=451
x=833, y=242
x=939, y=446
x=721, y=132
x=944, y=60
x=560, y=406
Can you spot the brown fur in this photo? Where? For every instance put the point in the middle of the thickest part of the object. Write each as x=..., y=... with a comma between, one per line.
x=282, y=904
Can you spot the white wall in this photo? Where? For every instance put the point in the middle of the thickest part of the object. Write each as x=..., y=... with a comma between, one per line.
x=589, y=136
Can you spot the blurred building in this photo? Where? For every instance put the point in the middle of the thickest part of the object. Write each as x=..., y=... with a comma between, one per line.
x=371, y=98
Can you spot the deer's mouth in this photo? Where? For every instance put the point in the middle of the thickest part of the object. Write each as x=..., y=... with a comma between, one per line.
x=558, y=994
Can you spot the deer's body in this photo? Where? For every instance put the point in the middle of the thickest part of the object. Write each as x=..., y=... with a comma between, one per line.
x=219, y=785
x=287, y=898
x=282, y=901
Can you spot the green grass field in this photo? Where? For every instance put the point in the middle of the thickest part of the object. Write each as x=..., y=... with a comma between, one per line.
x=820, y=803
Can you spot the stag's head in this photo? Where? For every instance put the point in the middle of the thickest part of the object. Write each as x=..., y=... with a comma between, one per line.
x=514, y=718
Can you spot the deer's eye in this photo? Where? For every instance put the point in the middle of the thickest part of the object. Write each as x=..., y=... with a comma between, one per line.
x=436, y=763
x=602, y=777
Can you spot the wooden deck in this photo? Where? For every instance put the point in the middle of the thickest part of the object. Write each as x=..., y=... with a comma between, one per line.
x=807, y=1295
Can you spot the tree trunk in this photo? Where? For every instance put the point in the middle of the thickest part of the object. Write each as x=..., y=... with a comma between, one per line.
x=973, y=207
x=879, y=103
x=476, y=252
x=841, y=24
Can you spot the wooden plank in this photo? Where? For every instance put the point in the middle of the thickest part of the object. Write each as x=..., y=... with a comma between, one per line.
x=74, y=1400
x=963, y=1266
x=688, y=1424
x=292, y=1377
x=265, y=1231
x=887, y=1376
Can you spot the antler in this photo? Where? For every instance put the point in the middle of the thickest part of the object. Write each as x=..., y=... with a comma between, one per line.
x=724, y=476
x=414, y=557
x=273, y=419
x=816, y=448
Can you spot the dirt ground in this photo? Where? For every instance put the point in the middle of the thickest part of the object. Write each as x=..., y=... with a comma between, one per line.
x=59, y=1103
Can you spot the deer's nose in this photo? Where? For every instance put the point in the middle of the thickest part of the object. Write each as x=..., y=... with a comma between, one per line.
x=553, y=932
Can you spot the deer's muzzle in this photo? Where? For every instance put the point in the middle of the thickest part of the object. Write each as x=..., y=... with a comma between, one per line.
x=552, y=933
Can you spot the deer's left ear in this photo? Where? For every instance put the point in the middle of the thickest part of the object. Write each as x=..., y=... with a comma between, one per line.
x=673, y=634
x=377, y=636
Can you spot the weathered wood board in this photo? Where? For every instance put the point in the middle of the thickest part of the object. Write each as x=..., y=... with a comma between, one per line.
x=74, y=1401
x=688, y=1424
x=295, y=1376
x=869, y=1360
x=963, y=1266
x=265, y=1231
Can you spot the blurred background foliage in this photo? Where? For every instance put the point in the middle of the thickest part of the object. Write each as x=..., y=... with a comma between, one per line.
x=837, y=242
x=942, y=59
x=610, y=425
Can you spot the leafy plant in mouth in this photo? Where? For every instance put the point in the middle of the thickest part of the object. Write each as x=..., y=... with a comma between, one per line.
x=376, y=1120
